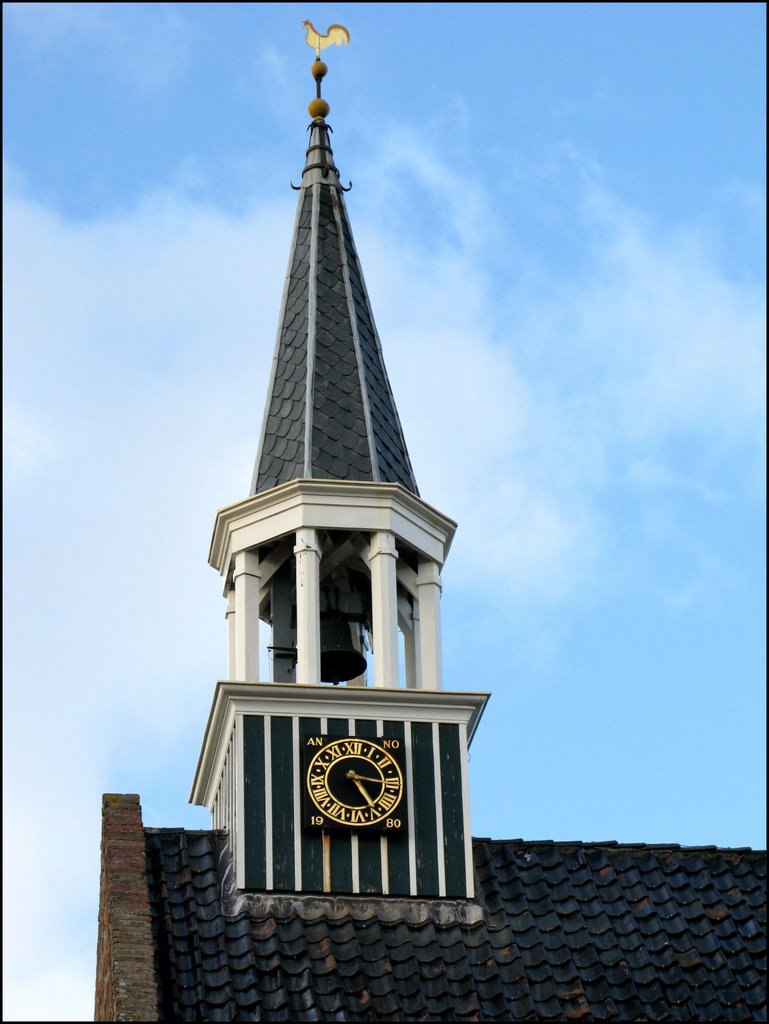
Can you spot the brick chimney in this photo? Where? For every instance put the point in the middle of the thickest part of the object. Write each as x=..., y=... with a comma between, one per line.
x=125, y=975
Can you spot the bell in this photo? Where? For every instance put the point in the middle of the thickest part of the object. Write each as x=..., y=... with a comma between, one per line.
x=339, y=660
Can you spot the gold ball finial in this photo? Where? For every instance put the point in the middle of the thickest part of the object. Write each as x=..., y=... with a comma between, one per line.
x=319, y=69
x=318, y=109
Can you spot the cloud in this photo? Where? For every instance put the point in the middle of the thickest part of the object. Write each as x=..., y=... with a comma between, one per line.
x=51, y=806
x=28, y=442
x=526, y=416
x=126, y=338
x=650, y=475
x=64, y=992
x=146, y=53
x=680, y=341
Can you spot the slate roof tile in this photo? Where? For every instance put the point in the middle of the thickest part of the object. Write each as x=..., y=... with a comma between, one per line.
x=538, y=951
x=755, y=994
x=352, y=394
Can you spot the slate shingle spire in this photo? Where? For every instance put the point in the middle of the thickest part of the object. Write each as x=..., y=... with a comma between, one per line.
x=330, y=411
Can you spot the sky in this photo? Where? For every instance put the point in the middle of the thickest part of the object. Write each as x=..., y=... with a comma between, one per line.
x=560, y=213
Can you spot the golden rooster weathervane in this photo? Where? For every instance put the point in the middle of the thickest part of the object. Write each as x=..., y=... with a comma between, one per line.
x=334, y=34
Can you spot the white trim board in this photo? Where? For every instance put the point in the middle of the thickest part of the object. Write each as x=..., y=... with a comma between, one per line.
x=312, y=701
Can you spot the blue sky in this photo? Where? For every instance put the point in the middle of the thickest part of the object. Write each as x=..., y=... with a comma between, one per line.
x=560, y=211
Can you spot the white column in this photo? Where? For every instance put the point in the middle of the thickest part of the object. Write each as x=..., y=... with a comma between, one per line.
x=307, y=554
x=429, y=594
x=413, y=666
x=246, y=577
x=230, y=617
x=408, y=620
x=383, y=556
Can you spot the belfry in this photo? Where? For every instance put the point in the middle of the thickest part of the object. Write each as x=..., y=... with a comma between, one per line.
x=339, y=556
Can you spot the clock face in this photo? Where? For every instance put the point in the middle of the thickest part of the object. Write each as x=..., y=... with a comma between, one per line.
x=354, y=782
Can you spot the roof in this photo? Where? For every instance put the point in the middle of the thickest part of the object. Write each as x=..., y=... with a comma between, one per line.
x=330, y=411
x=558, y=931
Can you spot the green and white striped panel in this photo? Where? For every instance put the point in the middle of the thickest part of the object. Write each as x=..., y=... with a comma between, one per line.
x=432, y=859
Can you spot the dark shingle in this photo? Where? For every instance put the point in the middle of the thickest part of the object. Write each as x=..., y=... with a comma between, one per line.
x=326, y=333
x=531, y=950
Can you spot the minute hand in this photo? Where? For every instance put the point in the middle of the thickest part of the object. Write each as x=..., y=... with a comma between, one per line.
x=364, y=778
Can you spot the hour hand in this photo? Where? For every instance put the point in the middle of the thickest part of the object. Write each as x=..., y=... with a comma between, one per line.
x=356, y=779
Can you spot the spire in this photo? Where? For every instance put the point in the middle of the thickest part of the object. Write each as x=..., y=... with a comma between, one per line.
x=339, y=556
x=330, y=411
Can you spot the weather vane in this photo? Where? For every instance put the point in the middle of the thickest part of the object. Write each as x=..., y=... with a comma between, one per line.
x=338, y=34
x=334, y=34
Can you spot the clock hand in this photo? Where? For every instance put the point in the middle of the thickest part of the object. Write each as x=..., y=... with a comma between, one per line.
x=364, y=778
x=362, y=788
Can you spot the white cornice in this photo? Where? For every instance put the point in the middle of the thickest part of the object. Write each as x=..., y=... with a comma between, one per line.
x=400, y=705
x=329, y=504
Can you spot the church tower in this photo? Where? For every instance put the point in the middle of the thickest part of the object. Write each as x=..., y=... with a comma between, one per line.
x=340, y=764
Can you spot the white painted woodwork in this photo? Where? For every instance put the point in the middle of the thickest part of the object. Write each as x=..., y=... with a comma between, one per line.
x=380, y=516
x=382, y=558
x=407, y=578
x=297, y=784
x=268, y=796
x=231, y=699
x=408, y=620
x=411, y=651
x=271, y=564
x=410, y=804
x=429, y=590
x=338, y=555
x=239, y=831
x=464, y=743
x=383, y=859
x=246, y=580
x=307, y=553
x=329, y=505
x=354, y=849
x=227, y=810
x=230, y=617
